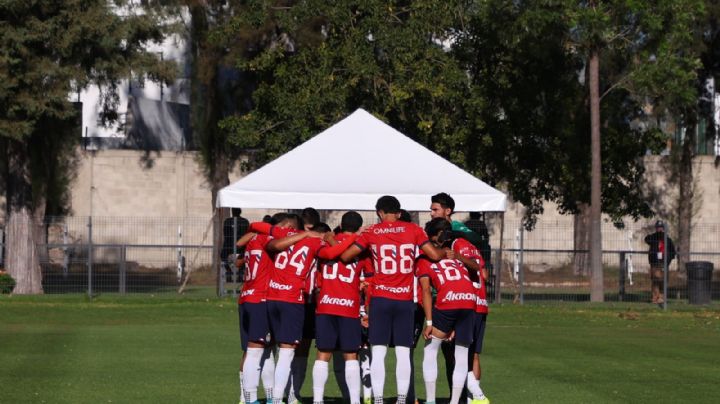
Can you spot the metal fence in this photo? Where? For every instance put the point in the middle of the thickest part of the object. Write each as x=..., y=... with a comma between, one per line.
x=153, y=255
x=527, y=275
x=123, y=269
x=545, y=263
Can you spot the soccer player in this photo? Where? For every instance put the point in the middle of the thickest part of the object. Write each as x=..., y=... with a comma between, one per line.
x=311, y=218
x=364, y=354
x=295, y=259
x=338, y=310
x=443, y=206
x=453, y=311
x=418, y=325
x=252, y=310
x=393, y=245
x=481, y=312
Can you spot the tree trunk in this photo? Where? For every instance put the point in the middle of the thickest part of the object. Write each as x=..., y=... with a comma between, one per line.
x=686, y=195
x=207, y=103
x=22, y=256
x=581, y=240
x=596, y=279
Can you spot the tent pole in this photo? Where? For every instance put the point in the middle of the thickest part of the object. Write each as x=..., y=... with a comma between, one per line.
x=498, y=260
x=216, y=264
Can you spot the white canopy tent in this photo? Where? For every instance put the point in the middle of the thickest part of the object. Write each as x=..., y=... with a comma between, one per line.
x=350, y=165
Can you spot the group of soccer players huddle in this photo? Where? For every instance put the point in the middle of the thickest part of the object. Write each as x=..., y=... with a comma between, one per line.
x=371, y=288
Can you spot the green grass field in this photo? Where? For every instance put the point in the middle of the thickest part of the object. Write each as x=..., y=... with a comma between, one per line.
x=163, y=349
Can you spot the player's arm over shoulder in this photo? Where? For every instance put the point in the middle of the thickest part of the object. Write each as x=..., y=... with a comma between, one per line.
x=433, y=253
x=358, y=246
x=281, y=244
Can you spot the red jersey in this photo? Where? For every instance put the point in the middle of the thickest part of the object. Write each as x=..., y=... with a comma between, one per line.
x=394, y=248
x=339, y=287
x=466, y=249
x=258, y=266
x=292, y=267
x=450, y=279
x=481, y=305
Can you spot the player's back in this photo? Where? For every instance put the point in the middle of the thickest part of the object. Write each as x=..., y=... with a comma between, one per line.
x=258, y=267
x=339, y=286
x=291, y=268
x=450, y=278
x=464, y=247
x=394, y=248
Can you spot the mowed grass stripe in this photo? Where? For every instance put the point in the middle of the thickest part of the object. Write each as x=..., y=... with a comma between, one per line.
x=60, y=349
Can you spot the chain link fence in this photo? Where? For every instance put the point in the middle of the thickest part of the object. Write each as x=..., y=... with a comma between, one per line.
x=154, y=255
x=123, y=269
x=126, y=255
x=546, y=263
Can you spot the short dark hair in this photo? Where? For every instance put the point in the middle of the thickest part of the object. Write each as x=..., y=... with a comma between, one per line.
x=405, y=216
x=267, y=219
x=235, y=212
x=475, y=215
x=277, y=218
x=435, y=226
x=310, y=217
x=445, y=200
x=388, y=204
x=321, y=227
x=297, y=219
x=351, y=221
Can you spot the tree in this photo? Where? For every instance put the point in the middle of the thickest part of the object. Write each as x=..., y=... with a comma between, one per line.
x=688, y=111
x=543, y=70
x=536, y=116
x=388, y=58
x=219, y=88
x=650, y=38
x=49, y=50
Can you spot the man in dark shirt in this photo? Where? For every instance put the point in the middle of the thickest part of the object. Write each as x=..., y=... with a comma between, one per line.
x=234, y=227
x=477, y=224
x=656, y=257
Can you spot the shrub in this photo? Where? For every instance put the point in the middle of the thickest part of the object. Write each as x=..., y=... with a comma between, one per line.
x=7, y=283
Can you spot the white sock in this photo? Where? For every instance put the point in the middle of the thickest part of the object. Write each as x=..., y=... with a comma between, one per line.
x=268, y=371
x=403, y=372
x=242, y=393
x=364, y=355
x=320, y=376
x=473, y=385
x=251, y=373
x=377, y=371
x=282, y=372
x=352, y=378
x=459, y=373
x=430, y=371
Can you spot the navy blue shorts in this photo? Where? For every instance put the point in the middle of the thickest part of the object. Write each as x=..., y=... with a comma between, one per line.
x=460, y=320
x=286, y=321
x=391, y=322
x=338, y=333
x=309, y=322
x=254, y=325
x=479, y=332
